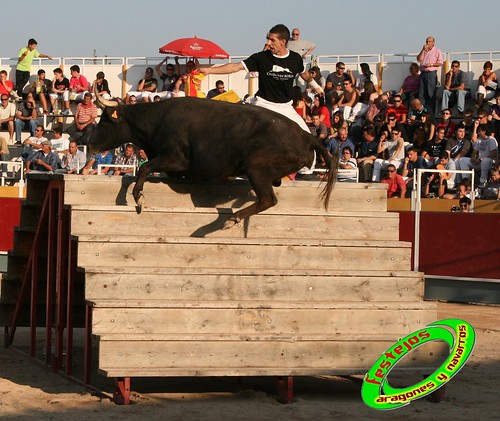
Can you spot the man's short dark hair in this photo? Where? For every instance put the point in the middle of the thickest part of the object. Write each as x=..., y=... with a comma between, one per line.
x=75, y=68
x=444, y=155
x=58, y=70
x=40, y=72
x=32, y=41
x=281, y=30
x=411, y=149
x=219, y=82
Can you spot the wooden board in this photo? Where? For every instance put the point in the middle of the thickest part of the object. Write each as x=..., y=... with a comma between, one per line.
x=167, y=252
x=196, y=222
x=252, y=286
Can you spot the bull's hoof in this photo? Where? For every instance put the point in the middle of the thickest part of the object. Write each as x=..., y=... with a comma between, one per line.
x=230, y=223
x=139, y=202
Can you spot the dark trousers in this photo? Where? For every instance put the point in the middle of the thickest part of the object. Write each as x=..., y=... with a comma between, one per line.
x=22, y=79
x=81, y=137
x=428, y=89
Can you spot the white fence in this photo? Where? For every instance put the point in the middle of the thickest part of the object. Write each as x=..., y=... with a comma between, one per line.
x=123, y=73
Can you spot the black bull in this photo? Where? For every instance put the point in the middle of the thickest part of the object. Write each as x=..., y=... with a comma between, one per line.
x=213, y=138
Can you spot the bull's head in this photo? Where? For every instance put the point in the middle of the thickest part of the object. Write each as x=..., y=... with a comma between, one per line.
x=112, y=130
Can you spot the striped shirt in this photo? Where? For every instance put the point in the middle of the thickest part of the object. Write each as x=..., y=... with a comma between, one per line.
x=85, y=112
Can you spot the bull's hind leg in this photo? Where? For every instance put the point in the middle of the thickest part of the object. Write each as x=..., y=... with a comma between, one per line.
x=265, y=199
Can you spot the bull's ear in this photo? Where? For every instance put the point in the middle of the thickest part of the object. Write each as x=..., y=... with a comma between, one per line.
x=113, y=114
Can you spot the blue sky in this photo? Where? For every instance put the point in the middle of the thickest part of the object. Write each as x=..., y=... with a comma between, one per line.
x=131, y=28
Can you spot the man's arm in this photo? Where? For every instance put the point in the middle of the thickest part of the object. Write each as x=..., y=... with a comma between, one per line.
x=222, y=70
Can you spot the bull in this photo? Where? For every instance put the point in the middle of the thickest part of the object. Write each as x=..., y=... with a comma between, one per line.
x=213, y=139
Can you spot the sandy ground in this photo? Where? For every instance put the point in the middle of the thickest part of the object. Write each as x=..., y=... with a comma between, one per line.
x=28, y=391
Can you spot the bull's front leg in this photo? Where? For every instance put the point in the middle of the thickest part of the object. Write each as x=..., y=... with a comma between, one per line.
x=137, y=192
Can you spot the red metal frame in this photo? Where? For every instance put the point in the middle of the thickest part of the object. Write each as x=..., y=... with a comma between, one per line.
x=285, y=388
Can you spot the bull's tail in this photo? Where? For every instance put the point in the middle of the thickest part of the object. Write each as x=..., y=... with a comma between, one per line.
x=332, y=165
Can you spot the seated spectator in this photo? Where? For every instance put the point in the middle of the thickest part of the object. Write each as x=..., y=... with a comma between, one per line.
x=441, y=183
x=318, y=128
x=101, y=158
x=59, y=143
x=468, y=123
x=33, y=143
x=366, y=98
x=487, y=85
x=335, y=145
x=433, y=149
x=60, y=91
x=334, y=81
x=78, y=84
x=455, y=87
x=391, y=152
x=484, y=152
x=298, y=102
x=7, y=116
x=378, y=108
x=219, y=89
x=367, y=154
x=410, y=86
x=447, y=123
x=185, y=85
x=102, y=86
x=398, y=108
x=86, y=114
x=494, y=116
x=492, y=189
x=320, y=109
x=26, y=117
x=393, y=123
x=143, y=158
x=348, y=100
x=427, y=123
x=41, y=89
x=366, y=76
x=127, y=158
x=7, y=86
x=337, y=122
x=320, y=80
x=412, y=162
x=464, y=205
x=347, y=162
x=463, y=190
x=415, y=113
x=74, y=160
x=419, y=141
x=396, y=184
x=146, y=86
x=169, y=78
x=4, y=151
x=43, y=160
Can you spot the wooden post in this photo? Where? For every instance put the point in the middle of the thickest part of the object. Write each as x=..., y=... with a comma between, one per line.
x=124, y=80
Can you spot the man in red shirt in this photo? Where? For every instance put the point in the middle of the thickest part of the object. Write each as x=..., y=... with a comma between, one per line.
x=396, y=184
x=6, y=85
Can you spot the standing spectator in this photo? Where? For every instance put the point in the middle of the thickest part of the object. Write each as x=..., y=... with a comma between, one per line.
x=430, y=59
x=300, y=46
x=6, y=86
x=126, y=158
x=487, y=84
x=396, y=185
x=78, y=84
x=102, y=86
x=455, y=88
x=74, y=160
x=367, y=154
x=33, y=143
x=60, y=91
x=219, y=89
x=41, y=89
x=86, y=114
x=391, y=151
x=23, y=68
x=146, y=86
x=411, y=85
x=26, y=117
x=7, y=116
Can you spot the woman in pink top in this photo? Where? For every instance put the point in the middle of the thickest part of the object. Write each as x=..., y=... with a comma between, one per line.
x=409, y=88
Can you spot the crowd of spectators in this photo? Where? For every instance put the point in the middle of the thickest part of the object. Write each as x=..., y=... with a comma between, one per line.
x=385, y=136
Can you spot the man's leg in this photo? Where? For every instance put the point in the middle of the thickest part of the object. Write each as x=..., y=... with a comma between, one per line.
x=446, y=99
x=22, y=79
x=461, y=95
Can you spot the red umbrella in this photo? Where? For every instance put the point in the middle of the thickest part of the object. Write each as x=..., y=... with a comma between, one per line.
x=194, y=47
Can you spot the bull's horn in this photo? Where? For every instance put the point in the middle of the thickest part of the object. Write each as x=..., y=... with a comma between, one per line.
x=101, y=101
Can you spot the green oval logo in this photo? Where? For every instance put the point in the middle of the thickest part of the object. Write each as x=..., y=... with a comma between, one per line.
x=379, y=394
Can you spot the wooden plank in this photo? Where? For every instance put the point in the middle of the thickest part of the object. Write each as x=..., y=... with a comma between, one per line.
x=279, y=321
x=199, y=286
x=369, y=226
x=247, y=357
x=234, y=194
x=273, y=255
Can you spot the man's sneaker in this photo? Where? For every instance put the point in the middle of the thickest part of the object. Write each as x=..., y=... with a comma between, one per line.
x=15, y=95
